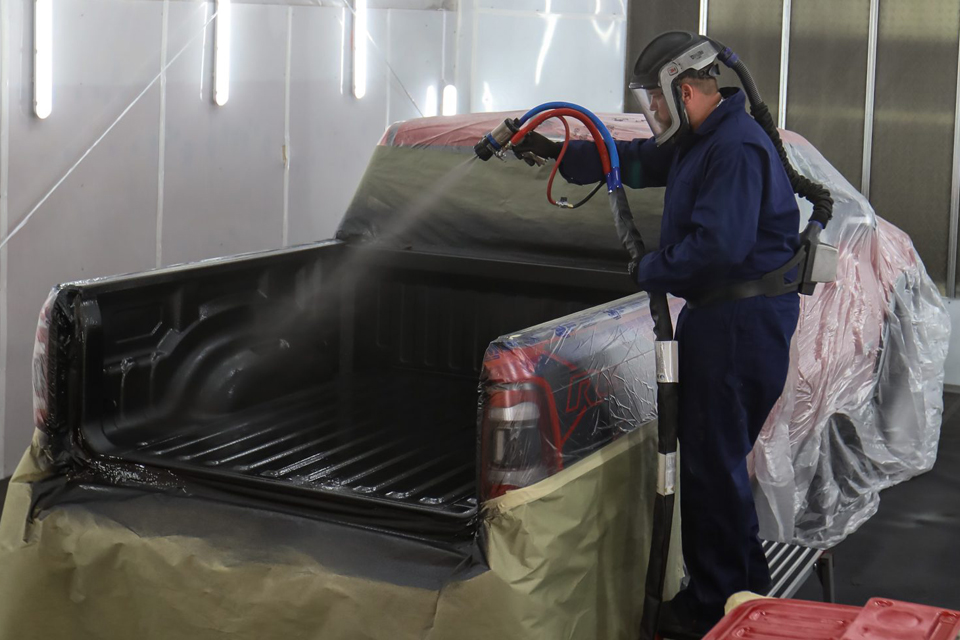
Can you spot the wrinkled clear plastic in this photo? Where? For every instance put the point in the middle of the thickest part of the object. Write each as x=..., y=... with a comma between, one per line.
x=862, y=406
x=554, y=393
x=41, y=346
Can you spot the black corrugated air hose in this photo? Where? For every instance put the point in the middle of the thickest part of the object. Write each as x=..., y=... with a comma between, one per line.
x=668, y=411
x=804, y=187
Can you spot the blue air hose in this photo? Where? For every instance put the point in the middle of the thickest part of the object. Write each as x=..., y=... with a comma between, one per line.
x=613, y=180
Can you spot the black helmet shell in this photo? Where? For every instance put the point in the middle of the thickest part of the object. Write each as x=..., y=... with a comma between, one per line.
x=660, y=51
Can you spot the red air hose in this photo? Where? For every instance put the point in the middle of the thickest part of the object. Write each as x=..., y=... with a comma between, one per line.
x=573, y=113
x=556, y=165
x=559, y=115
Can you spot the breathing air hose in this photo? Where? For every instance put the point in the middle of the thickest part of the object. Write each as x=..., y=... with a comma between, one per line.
x=811, y=191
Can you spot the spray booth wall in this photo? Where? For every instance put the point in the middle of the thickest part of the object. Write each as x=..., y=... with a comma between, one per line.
x=821, y=61
x=135, y=168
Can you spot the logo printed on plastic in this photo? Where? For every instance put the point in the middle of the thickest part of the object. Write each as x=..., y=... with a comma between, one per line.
x=564, y=329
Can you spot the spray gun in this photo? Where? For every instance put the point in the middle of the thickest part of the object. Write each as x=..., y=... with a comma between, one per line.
x=497, y=142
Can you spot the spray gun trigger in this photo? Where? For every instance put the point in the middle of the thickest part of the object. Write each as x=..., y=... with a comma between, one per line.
x=563, y=203
x=533, y=159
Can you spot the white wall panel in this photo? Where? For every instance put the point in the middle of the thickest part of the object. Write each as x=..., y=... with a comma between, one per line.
x=521, y=60
x=100, y=220
x=105, y=53
x=415, y=51
x=223, y=173
x=332, y=134
x=568, y=7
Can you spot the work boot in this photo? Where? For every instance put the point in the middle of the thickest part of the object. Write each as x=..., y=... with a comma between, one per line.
x=683, y=619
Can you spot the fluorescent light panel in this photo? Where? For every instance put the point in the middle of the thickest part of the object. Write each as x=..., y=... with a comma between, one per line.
x=43, y=58
x=360, y=49
x=430, y=108
x=450, y=100
x=343, y=46
x=221, y=58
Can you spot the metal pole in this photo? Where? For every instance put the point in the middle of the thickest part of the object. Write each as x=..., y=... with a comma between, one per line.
x=4, y=213
x=162, y=132
x=870, y=95
x=954, y=194
x=704, y=10
x=784, y=64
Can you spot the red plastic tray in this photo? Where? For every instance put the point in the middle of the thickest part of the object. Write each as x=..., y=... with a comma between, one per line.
x=880, y=619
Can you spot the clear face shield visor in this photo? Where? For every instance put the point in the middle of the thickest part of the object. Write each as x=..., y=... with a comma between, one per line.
x=653, y=104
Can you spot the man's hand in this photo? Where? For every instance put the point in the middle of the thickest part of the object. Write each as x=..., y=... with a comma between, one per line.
x=536, y=145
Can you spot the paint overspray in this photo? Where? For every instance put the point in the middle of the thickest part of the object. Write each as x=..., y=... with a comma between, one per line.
x=318, y=316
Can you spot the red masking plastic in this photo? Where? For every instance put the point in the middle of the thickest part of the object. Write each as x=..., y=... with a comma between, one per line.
x=880, y=619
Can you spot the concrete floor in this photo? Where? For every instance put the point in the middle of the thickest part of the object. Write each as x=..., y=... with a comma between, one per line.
x=910, y=550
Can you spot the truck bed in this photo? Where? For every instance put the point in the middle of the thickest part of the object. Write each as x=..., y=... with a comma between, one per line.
x=354, y=435
x=322, y=378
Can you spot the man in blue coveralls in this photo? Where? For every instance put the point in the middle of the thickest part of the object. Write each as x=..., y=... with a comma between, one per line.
x=729, y=217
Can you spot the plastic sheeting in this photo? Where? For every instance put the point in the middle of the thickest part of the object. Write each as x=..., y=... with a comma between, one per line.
x=564, y=558
x=862, y=405
x=554, y=393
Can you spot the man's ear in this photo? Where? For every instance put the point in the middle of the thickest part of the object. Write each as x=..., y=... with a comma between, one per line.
x=686, y=92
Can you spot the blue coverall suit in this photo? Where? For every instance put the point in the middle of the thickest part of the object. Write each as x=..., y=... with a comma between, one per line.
x=729, y=216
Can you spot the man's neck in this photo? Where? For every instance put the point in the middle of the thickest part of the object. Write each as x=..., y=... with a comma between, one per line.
x=716, y=100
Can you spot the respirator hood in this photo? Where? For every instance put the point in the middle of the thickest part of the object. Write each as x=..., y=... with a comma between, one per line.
x=655, y=74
